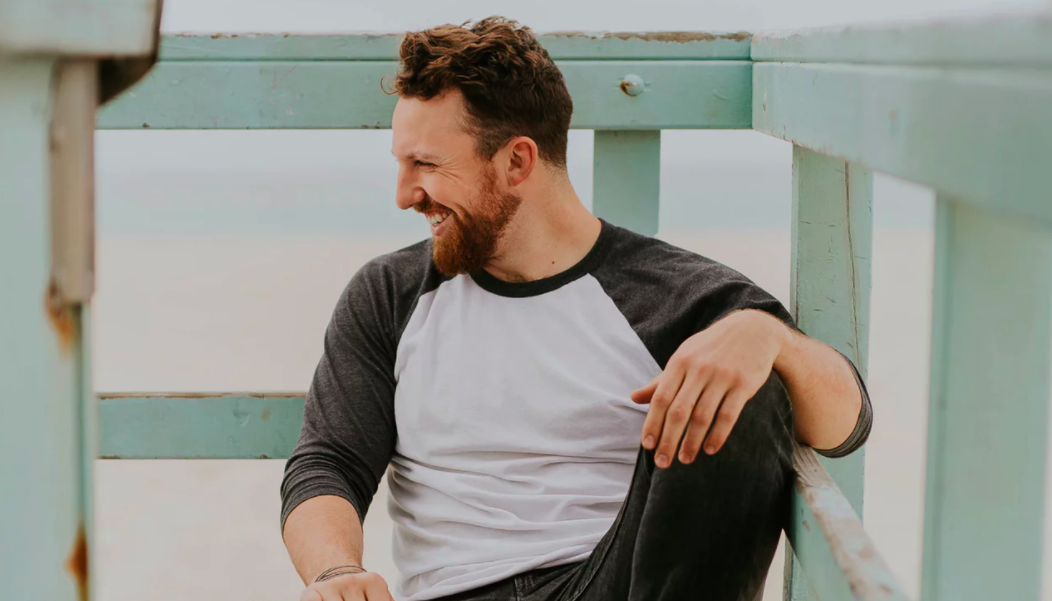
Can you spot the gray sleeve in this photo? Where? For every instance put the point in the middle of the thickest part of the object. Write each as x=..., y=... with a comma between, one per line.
x=348, y=433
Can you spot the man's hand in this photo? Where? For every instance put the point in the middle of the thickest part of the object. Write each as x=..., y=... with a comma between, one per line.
x=719, y=368
x=364, y=586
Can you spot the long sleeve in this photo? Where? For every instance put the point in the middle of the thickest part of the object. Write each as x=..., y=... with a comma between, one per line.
x=349, y=431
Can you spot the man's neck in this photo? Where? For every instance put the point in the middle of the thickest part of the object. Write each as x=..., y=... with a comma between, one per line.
x=546, y=236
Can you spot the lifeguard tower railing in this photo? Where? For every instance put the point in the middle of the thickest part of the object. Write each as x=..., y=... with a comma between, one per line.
x=962, y=107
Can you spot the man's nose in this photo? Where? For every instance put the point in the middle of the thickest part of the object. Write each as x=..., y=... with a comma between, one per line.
x=408, y=192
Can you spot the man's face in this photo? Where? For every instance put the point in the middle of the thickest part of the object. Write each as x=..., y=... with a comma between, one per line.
x=442, y=177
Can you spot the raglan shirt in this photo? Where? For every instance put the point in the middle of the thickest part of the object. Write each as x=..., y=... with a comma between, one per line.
x=501, y=409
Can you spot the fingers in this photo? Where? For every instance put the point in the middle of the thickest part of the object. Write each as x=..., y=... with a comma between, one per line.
x=375, y=587
x=365, y=586
x=677, y=418
x=701, y=419
x=643, y=395
x=668, y=384
x=725, y=420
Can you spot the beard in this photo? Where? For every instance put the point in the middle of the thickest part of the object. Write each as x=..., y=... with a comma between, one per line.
x=472, y=239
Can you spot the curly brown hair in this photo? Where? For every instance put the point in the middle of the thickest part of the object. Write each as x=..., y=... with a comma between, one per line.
x=511, y=85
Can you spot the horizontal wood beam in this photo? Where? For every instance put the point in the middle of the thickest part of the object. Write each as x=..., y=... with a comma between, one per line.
x=1014, y=41
x=984, y=136
x=826, y=535
x=570, y=45
x=348, y=95
x=199, y=426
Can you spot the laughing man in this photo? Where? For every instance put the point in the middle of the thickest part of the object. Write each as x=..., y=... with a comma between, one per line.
x=566, y=410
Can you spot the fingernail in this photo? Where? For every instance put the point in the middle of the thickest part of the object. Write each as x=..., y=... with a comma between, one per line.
x=684, y=458
x=710, y=449
x=648, y=442
x=662, y=461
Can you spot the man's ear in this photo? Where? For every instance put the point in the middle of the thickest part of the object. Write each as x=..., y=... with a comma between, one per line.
x=522, y=159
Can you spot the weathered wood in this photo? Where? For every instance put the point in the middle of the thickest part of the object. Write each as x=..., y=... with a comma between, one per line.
x=96, y=28
x=73, y=181
x=826, y=534
x=574, y=45
x=42, y=508
x=627, y=179
x=983, y=136
x=999, y=40
x=348, y=95
x=830, y=287
x=200, y=426
x=988, y=415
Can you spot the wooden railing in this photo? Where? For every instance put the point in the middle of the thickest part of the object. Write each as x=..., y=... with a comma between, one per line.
x=965, y=108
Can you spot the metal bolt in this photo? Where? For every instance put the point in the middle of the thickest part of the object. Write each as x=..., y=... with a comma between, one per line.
x=632, y=85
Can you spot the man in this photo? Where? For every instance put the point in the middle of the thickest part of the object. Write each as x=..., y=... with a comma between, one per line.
x=569, y=411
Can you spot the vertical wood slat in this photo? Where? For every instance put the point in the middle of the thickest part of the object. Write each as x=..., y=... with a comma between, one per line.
x=988, y=412
x=627, y=178
x=45, y=474
x=830, y=288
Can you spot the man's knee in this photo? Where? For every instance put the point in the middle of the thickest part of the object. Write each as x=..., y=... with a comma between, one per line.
x=763, y=432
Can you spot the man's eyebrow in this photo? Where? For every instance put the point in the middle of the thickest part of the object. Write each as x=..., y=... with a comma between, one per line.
x=417, y=155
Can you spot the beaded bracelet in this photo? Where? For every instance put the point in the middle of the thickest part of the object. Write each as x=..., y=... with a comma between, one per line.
x=332, y=572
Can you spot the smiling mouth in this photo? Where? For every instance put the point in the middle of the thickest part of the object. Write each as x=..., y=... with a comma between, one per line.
x=437, y=218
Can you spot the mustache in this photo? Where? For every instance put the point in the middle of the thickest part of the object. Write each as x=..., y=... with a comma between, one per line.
x=428, y=204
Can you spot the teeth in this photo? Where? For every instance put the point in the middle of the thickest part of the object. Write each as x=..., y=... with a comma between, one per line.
x=436, y=219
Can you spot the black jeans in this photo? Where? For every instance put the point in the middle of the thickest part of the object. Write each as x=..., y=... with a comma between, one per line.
x=700, y=532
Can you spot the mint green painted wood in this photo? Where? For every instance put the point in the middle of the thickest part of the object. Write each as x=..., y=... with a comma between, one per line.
x=102, y=28
x=983, y=136
x=384, y=46
x=998, y=40
x=41, y=473
x=829, y=289
x=627, y=179
x=988, y=414
x=221, y=426
x=89, y=440
x=347, y=94
x=834, y=550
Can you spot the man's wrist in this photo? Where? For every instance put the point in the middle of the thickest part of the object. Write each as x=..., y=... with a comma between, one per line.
x=339, y=570
x=786, y=339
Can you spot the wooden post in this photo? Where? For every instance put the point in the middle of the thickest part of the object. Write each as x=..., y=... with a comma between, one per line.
x=46, y=434
x=988, y=415
x=830, y=286
x=627, y=179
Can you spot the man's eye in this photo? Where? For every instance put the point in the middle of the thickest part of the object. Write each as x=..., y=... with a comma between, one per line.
x=423, y=164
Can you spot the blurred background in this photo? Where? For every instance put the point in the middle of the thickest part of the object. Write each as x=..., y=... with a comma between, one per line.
x=222, y=253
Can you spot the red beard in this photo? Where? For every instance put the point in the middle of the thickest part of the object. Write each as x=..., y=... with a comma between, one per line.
x=471, y=240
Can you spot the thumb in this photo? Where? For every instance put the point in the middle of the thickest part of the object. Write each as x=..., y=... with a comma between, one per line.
x=310, y=595
x=642, y=396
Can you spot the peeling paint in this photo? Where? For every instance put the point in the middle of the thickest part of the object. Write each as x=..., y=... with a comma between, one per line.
x=77, y=563
x=266, y=414
x=60, y=316
x=864, y=570
x=677, y=37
